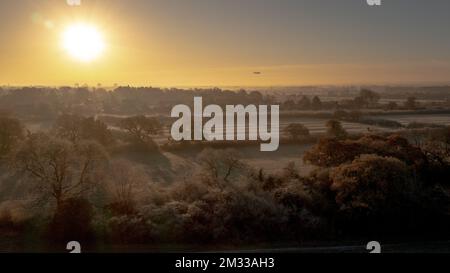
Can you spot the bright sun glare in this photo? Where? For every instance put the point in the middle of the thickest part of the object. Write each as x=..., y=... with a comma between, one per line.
x=83, y=42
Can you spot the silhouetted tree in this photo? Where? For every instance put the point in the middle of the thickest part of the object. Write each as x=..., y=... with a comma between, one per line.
x=289, y=104
x=392, y=105
x=141, y=129
x=220, y=165
x=411, y=103
x=124, y=182
x=94, y=129
x=296, y=130
x=76, y=128
x=367, y=97
x=316, y=103
x=304, y=103
x=11, y=132
x=335, y=129
x=69, y=127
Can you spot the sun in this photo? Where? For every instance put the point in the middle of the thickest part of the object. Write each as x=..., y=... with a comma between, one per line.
x=83, y=42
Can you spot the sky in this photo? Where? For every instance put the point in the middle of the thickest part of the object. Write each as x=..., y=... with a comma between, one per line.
x=223, y=42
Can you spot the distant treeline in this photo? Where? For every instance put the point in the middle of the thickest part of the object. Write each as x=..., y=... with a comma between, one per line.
x=47, y=103
x=50, y=102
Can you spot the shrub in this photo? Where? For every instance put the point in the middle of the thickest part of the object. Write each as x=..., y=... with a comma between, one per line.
x=296, y=130
x=332, y=152
x=335, y=129
x=371, y=184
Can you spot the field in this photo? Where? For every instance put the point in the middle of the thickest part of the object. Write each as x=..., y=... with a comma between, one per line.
x=174, y=165
x=437, y=119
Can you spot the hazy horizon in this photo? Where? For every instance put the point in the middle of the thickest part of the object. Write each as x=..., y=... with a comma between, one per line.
x=367, y=85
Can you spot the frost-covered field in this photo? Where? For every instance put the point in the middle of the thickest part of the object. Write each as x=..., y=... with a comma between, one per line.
x=438, y=119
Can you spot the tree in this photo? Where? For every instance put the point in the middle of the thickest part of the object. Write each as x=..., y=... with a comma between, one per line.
x=316, y=103
x=60, y=169
x=124, y=181
x=69, y=127
x=335, y=129
x=256, y=97
x=392, y=106
x=411, y=103
x=141, y=129
x=94, y=129
x=296, y=130
x=340, y=114
x=220, y=165
x=304, y=103
x=76, y=128
x=368, y=97
x=332, y=152
x=11, y=132
x=72, y=221
x=355, y=115
x=372, y=185
x=289, y=104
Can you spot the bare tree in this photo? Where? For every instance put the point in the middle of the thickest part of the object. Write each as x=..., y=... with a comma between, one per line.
x=124, y=183
x=60, y=169
x=221, y=164
x=77, y=128
x=68, y=127
x=140, y=128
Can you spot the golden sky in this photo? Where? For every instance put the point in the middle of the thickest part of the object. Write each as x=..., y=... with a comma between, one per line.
x=222, y=43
